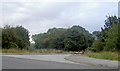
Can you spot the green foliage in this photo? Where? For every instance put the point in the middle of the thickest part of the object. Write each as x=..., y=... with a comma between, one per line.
x=75, y=38
x=52, y=39
x=91, y=49
x=110, y=21
x=23, y=36
x=15, y=37
x=12, y=45
x=98, y=45
x=109, y=39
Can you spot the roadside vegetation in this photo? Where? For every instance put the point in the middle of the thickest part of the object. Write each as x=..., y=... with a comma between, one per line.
x=107, y=41
x=104, y=55
x=35, y=51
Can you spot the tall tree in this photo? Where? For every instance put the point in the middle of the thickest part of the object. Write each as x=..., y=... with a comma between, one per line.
x=109, y=38
x=15, y=37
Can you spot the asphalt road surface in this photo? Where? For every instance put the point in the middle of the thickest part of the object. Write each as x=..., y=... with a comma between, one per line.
x=21, y=63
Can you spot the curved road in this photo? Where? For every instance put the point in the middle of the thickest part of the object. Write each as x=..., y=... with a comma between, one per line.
x=23, y=63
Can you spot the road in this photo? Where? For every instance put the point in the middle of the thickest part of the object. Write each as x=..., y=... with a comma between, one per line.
x=22, y=63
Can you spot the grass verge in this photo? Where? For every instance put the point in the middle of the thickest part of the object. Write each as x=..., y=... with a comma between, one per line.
x=104, y=55
x=34, y=51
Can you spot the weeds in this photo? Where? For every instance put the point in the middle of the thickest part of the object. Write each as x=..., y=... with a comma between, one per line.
x=34, y=51
x=103, y=55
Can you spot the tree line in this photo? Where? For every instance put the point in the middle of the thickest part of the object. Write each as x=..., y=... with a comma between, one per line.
x=15, y=37
x=78, y=38
x=75, y=38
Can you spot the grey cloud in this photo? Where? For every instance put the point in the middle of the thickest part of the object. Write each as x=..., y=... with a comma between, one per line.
x=39, y=17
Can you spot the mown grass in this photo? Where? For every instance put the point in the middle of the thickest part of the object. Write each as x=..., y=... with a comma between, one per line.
x=104, y=55
x=34, y=51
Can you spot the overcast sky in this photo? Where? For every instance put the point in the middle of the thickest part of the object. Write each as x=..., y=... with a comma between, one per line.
x=38, y=17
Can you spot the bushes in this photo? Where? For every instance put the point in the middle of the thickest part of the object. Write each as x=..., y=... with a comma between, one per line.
x=91, y=49
x=12, y=45
x=110, y=45
x=98, y=45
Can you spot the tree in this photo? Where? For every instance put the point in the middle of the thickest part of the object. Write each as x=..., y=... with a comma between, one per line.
x=96, y=34
x=112, y=39
x=15, y=37
x=109, y=38
x=23, y=35
x=77, y=38
x=8, y=35
x=109, y=21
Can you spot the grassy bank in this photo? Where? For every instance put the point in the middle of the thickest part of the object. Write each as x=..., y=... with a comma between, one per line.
x=34, y=51
x=103, y=55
